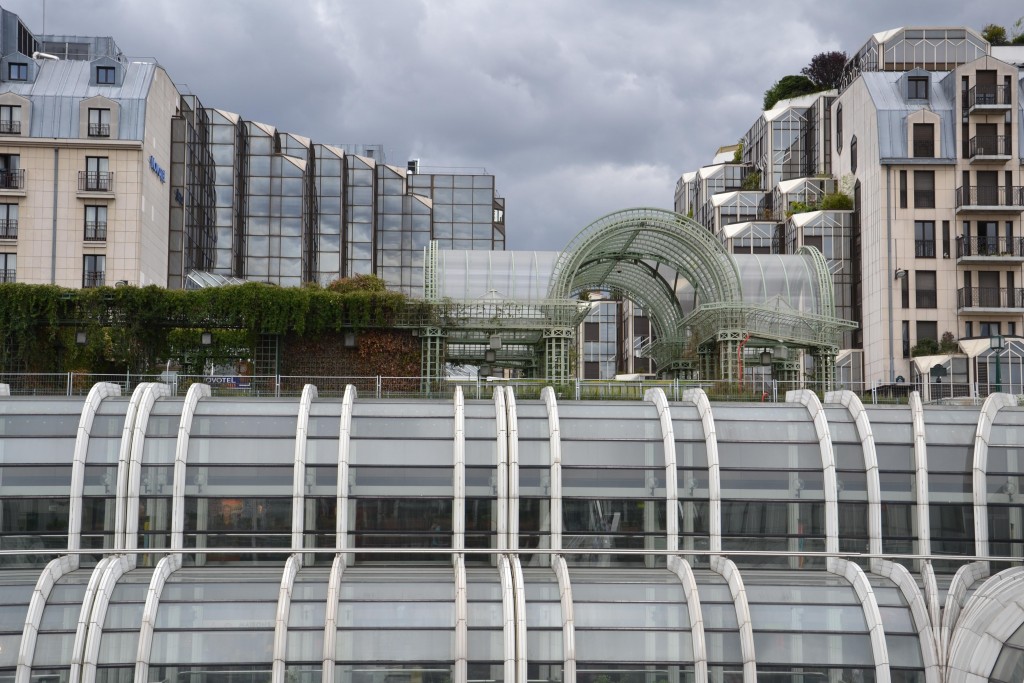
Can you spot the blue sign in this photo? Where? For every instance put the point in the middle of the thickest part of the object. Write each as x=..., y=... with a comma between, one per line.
x=178, y=196
x=155, y=167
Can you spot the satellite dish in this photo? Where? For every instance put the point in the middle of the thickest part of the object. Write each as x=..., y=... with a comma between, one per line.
x=121, y=283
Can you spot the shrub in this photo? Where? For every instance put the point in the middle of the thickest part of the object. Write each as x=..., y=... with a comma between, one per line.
x=837, y=201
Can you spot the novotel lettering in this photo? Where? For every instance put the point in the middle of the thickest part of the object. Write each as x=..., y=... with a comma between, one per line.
x=155, y=167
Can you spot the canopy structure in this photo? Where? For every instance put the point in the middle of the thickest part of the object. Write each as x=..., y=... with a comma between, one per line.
x=707, y=307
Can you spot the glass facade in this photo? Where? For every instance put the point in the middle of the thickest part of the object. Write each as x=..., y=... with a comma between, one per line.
x=468, y=540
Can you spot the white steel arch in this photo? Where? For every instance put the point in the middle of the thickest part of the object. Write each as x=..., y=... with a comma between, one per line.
x=284, y=606
x=188, y=410
x=341, y=503
x=461, y=673
x=97, y=393
x=852, y=572
x=53, y=572
x=918, y=604
x=513, y=469
x=568, y=621
x=681, y=568
x=657, y=397
x=331, y=611
x=84, y=669
x=459, y=472
x=163, y=570
x=504, y=474
x=727, y=569
x=924, y=526
x=809, y=400
x=152, y=392
x=555, y=437
x=853, y=405
x=309, y=393
x=989, y=410
x=700, y=399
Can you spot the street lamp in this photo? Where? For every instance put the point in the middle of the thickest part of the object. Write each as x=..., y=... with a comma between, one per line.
x=997, y=343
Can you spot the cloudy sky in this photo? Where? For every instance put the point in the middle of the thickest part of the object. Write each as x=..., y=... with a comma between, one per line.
x=578, y=107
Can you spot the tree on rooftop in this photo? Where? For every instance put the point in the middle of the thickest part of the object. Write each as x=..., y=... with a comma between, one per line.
x=787, y=87
x=994, y=34
x=826, y=69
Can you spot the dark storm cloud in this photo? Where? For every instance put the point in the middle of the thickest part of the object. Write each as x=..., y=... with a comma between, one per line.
x=579, y=107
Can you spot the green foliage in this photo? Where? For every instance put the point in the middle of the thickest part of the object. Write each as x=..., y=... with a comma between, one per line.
x=752, y=181
x=837, y=201
x=787, y=87
x=132, y=328
x=948, y=343
x=358, y=283
x=800, y=207
x=826, y=69
x=994, y=34
x=737, y=155
x=925, y=347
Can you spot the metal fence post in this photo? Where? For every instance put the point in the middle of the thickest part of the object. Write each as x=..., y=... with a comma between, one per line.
x=277, y=386
x=379, y=386
x=70, y=382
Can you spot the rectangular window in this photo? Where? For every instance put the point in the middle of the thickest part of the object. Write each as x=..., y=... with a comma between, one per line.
x=924, y=189
x=903, y=189
x=906, y=339
x=11, y=175
x=924, y=140
x=105, y=75
x=95, y=223
x=968, y=329
x=917, y=88
x=96, y=177
x=591, y=332
x=945, y=239
x=10, y=119
x=8, y=267
x=17, y=71
x=925, y=287
x=990, y=329
x=99, y=123
x=905, y=290
x=1011, y=329
x=8, y=221
x=924, y=239
x=927, y=329
x=94, y=270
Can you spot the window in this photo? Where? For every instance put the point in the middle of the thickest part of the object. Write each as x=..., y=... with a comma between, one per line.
x=105, y=75
x=924, y=189
x=968, y=329
x=927, y=329
x=591, y=332
x=17, y=71
x=95, y=177
x=853, y=154
x=93, y=270
x=95, y=223
x=924, y=282
x=10, y=119
x=8, y=267
x=8, y=221
x=945, y=239
x=990, y=329
x=917, y=88
x=905, y=328
x=839, y=127
x=924, y=140
x=903, y=189
x=11, y=175
x=99, y=123
x=924, y=239
x=905, y=290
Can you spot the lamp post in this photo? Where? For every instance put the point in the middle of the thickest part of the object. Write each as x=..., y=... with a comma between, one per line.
x=996, y=343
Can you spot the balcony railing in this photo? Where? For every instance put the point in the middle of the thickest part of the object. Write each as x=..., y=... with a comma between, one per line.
x=990, y=195
x=99, y=130
x=990, y=246
x=989, y=146
x=10, y=127
x=924, y=148
x=95, y=231
x=12, y=180
x=990, y=297
x=7, y=275
x=924, y=248
x=92, y=181
x=9, y=229
x=988, y=96
x=93, y=278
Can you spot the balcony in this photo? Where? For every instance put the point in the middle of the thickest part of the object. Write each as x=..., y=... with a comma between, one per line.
x=990, y=249
x=91, y=181
x=99, y=130
x=924, y=248
x=9, y=229
x=10, y=127
x=990, y=198
x=990, y=148
x=987, y=98
x=990, y=298
x=93, y=278
x=7, y=276
x=12, y=180
x=95, y=231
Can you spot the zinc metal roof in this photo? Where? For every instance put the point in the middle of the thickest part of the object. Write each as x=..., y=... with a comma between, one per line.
x=892, y=110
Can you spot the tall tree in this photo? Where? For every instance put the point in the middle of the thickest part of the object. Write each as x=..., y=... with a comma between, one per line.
x=994, y=34
x=826, y=69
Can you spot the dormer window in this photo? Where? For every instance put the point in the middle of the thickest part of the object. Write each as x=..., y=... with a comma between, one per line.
x=17, y=71
x=917, y=88
x=105, y=75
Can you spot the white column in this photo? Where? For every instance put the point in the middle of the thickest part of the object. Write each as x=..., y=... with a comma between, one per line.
x=341, y=504
x=309, y=392
x=153, y=391
x=728, y=570
x=513, y=470
x=921, y=509
x=965, y=577
x=568, y=623
x=54, y=570
x=986, y=417
x=84, y=669
x=508, y=618
x=681, y=568
x=668, y=436
x=852, y=572
x=461, y=673
x=459, y=474
x=520, y=614
x=809, y=400
x=188, y=411
x=700, y=399
x=163, y=570
x=502, y=472
x=903, y=579
x=284, y=606
x=853, y=405
x=331, y=613
x=555, y=448
x=99, y=391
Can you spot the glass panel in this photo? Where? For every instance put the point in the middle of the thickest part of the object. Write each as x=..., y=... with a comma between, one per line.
x=212, y=647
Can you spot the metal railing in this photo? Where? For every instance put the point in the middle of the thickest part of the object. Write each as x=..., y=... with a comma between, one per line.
x=99, y=130
x=924, y=248
x=989, y=297
x=95, y=231
x=8, y=229
x=988, y=95
x=10, y=127
x=990, y=195
x=93, y=278
x=95, y=181
x=989, y=246
x=7, y=275
x=13, y=179
x=989, y=145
